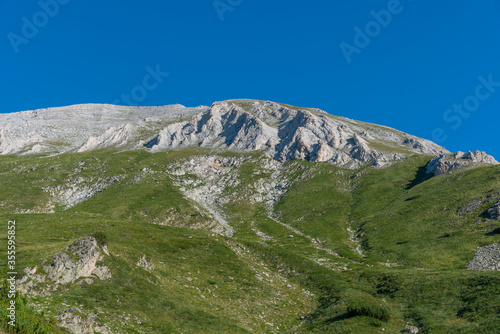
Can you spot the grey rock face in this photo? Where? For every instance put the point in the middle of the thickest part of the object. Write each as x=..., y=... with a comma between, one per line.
x=449, y=162
x=282, y=132
x=470, y=207
x=64, y=269
x=81, y=127
x=487, y=258
x=221, y=125
x=287, y=134
x=494, y=212
x=114, y=136
x=76, y=261
x=477, y=157
x=212, y=174
x=73, y=321
x=80, y=189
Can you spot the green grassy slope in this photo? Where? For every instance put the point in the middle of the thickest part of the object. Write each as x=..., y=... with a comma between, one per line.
x=307, y=276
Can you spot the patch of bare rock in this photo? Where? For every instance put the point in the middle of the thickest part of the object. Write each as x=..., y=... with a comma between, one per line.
x=287, y=134
x=73, y=320
x=487, y=258
x=446, y=163
x=79, y=260
x=494, y=212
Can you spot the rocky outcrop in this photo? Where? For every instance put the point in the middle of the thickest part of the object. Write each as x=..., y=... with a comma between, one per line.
x=471, y=206
x=282, y=132
x=113, y=137
x=80, y=189
x=82, y=127
x=446, y=163
x=487, y=258
x=145, y=264
x=204, y=179
x=220, y=126
x=494, y=212
x=477, y=157
x=286, y=134
x=79, y=260
x=72, y=320
x=410, y=329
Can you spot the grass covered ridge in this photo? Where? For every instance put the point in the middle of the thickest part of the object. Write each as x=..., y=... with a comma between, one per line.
x=308, y=276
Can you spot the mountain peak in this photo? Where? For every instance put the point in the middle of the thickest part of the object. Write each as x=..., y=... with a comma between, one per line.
x=287, y=133
x=282, y=132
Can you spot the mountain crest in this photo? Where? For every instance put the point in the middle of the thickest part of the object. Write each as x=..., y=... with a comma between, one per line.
x=280, y=131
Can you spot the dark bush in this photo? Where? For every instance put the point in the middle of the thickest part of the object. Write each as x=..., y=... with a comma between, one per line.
x=368, y=310
x=100, y=238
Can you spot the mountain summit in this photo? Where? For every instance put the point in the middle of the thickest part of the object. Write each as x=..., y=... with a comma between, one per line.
x=283, y=132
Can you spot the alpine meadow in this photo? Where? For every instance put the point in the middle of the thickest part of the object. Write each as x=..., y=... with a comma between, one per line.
x=247, y=216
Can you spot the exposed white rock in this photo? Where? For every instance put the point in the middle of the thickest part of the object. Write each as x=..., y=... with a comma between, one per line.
x=80, y=190
x=66, y=129
x=113, y=137
x=212, y=174
x=145, y=264
x=222, y=125
x=283, y=132
x=410, y=329
x=487, y=258
x=63, y=269
x=79, y=260
x=445, y=163
x=477, y=157
x=289, y=133
x=72, y=320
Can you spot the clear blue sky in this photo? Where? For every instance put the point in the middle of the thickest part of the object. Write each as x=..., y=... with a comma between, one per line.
x=409, y=76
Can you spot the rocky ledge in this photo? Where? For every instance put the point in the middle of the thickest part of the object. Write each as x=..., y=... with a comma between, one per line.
x=494, y=212
x=280, y=131
x=446, y=163
x=79, y=260
x=287, y=133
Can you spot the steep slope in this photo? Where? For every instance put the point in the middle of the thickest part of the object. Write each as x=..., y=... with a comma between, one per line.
x=283, y=132
x=286, y=133
x=250, y=217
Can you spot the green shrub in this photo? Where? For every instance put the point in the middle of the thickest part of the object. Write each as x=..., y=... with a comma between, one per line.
x=100, y=238
x=368, y=310
x=359, y=303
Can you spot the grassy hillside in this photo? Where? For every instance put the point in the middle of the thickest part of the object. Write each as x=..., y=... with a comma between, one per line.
x=364, y=251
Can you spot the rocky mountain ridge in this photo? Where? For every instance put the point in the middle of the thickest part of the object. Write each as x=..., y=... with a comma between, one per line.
x=282, y=132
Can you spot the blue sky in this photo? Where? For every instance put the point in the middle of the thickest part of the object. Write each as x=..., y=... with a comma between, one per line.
x=425, y=67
